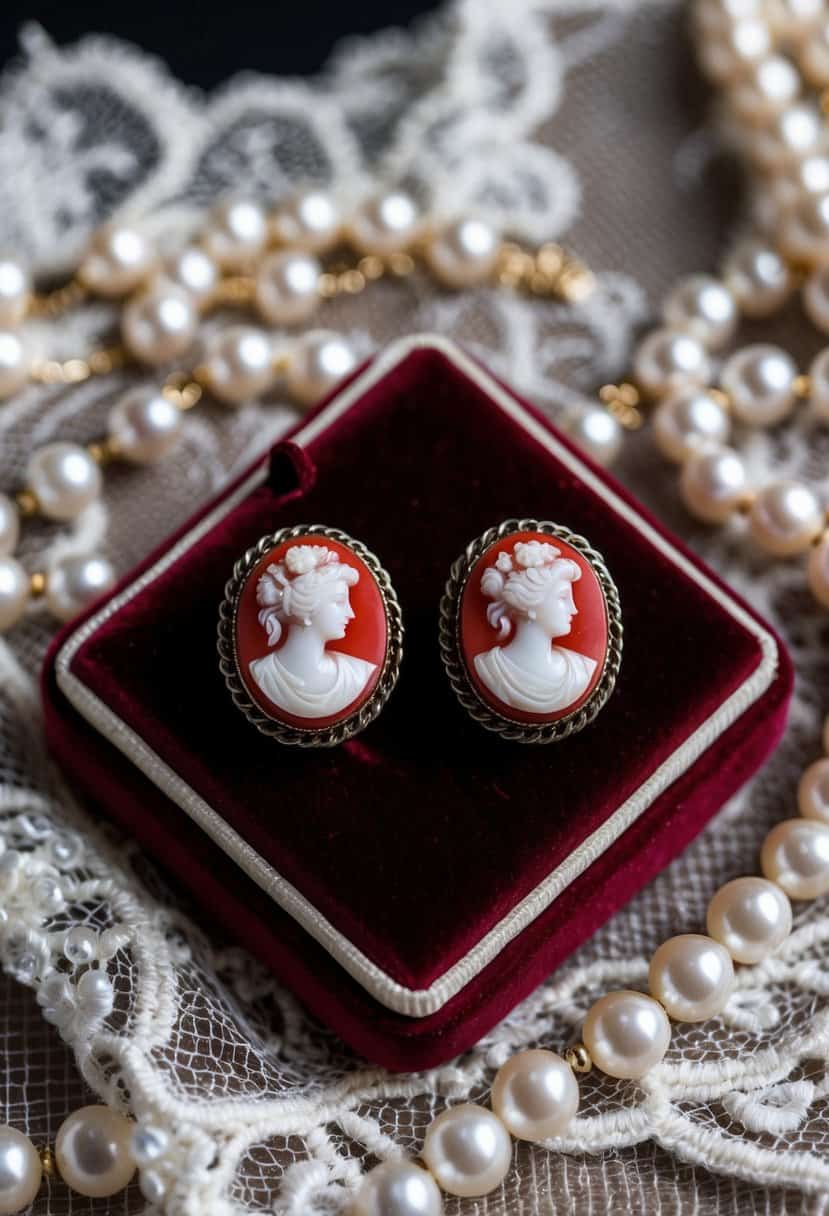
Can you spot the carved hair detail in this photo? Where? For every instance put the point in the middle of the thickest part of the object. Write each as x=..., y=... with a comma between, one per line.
x=520, y=581
x=294, y=589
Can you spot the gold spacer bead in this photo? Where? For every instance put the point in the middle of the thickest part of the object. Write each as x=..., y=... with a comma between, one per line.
x=746, y=502
x=802, y=386
x=575, y=283
x=103, y=451
x=401, y=264
x=550, y=259
x=578, y=1057
x=27, y=503
x=352, y=282
x=37, y=583
x=371, y=267
x=47, y=1161
x=721, y=397
x=327, y=285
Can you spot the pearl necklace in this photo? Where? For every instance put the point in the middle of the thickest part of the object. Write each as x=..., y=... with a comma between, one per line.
x=243, y=258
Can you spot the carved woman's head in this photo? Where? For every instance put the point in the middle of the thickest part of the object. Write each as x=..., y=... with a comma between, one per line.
x=308, y=588
x=531, y=583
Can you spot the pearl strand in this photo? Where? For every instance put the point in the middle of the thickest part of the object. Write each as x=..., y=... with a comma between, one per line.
x=535, y=1094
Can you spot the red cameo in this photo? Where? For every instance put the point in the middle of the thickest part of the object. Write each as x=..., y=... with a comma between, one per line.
x=533, y=628
x=311, y=632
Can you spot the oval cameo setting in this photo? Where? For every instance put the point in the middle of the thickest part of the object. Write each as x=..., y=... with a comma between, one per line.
x=531, y=631
x=310, y=636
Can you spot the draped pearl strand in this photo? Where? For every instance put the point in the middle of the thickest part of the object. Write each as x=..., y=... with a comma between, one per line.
x=535, y=1094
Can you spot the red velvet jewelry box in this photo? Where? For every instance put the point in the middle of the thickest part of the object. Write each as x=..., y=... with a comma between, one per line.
x=413, y=884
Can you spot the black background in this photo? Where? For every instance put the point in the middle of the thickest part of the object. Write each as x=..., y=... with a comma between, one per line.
x=205, y=42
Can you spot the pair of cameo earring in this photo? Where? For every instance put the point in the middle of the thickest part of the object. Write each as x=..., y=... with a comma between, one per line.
x=311, y=633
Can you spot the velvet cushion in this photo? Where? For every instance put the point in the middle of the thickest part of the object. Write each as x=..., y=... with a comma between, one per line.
x=420, y=835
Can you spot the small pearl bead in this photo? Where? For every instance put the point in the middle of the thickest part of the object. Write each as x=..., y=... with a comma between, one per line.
x=386, y=224
x=15, y=292
x=14, y=592
x=759, y=380
x=9, y=526
x=795, y=855
x=727, y=54
x=239, y=364
x=819, y=385
x=767, y=88
x=193, y=270
x=20, y=1171
x=687, y=421
x=15, y=362
x=712, y=484
x=93, y=1151
x=64, y=478
x=751, y=917
x=535, y=1095
x=311, y=221
x=669, y=359
x=785, y=518
x=465, y=253
x=804, y=235
x=160, y=323
x=597, y=432
x=287, y=287
x=80, y=945
x=704, y=307
x=144, y=425
x=814, y=56
x=468, y=1150
x=118, y=259
x=692, y=976
x=813, y=791
x=626, y=1033
x=75, y=582
x=149, y=1144
x=818, y=571
x=797, y=131
x=236, y=233
x=397, y=1188
x=318, y=362
x=758, y=277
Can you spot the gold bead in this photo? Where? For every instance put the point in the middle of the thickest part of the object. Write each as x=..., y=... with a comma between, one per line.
x=371, y=266
x=37, y=586
x=722, y=398
x=352, y=282
x=47, y=1160
x=327, y=285
x=401, y=264
x=27, y=503
x=802, y=386
x=578, y=1057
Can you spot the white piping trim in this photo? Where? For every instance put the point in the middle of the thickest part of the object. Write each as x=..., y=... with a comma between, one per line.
x=385, y=989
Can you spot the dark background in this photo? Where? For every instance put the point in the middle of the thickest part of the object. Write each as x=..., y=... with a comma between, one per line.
x=206, y=42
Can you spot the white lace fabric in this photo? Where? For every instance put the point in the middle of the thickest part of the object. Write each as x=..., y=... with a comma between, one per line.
x=566, y=120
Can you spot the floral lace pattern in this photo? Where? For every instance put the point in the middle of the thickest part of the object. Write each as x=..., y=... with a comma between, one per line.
x=495, y=107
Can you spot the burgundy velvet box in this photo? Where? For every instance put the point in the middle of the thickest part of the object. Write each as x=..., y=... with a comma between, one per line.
x=415, y=883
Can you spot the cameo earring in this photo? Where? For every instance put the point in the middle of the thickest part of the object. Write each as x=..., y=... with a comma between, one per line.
x=310, y=636
x=531, y=631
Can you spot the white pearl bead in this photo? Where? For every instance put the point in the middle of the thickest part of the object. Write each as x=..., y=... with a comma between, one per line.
x=9, y=526
x=397, y=1188
x=751, y=917
x=667, y=359
x=810, y=175
x=318, y=362
x=236, y=233
x=713, y=16
x=80, y=945
x=804, y=235
x=688, y=420
x=758, y=277
x=818, y=571
x=20, y=1171
x=159, y=324
x=785, y=518
x=152, y=1186
x=15, y=362
x=239, y=364
x=535, y=1095
x=796, y=131
x=96, y=995
x=813, y=791
x=64, y=479
x=713, y=484
x=149, y=1144
x=766, y=89
x=15, y=291
x=692, y=977
x=144, y=425
x=626, y=1033
x=287, y=287
x=795, y=855
x=704, y=307
x=385, y=224
x=759, y=380
x=74, y=582
x=814, y=56
x=468, y=1150
x=92, y=1148
x=819, y=385
x=793, y=19
x=727, y=53
x=464, y=254
x=597, y=432
x=14, y=592
x=193, y=270
x=310, y=221
x=118, y=259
